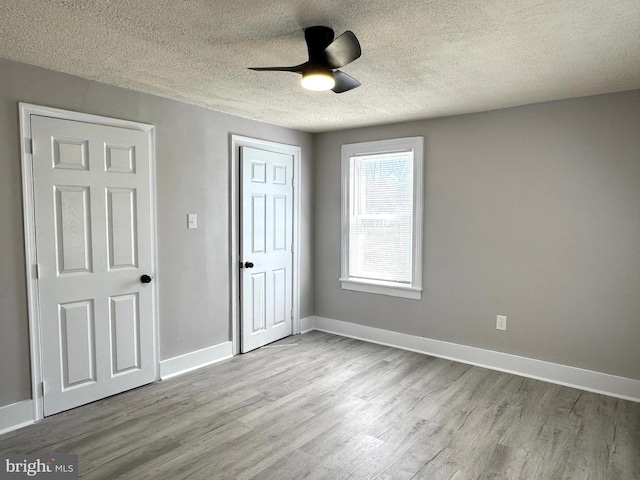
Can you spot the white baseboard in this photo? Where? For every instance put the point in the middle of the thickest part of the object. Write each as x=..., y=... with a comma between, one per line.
x=193, y=360
x=16, y=415
x=307, y=324
x=591, y=381
x=21, y=414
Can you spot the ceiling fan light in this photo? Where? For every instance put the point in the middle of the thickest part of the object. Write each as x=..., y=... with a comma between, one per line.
x=318, y=81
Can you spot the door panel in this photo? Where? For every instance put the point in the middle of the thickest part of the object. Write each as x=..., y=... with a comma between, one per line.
x=70, y=154
x=93, y=242
x=121, y=228
x=279, y=296
x=78, y=353
x=125, y=332
x=73, y=229
x=258, y=300
x=280, y=223
x=120, y=159
x=257, y=225
x=266, y=242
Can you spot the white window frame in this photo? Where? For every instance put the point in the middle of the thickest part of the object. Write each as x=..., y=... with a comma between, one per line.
x=415, y=144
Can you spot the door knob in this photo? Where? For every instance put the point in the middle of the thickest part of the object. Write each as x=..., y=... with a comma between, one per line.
x=146, y=279
x=248, y=265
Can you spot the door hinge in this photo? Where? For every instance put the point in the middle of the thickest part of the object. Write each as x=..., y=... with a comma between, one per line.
x=37, y=271
x=292, y=314
x=42, y=389
x=293, y=248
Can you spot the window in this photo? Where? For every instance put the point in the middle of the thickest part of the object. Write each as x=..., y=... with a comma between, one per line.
x=382, y=217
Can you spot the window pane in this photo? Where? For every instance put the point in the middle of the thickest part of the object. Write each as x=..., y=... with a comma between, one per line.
x=381, y=217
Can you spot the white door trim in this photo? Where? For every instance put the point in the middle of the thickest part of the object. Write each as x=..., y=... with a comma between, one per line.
x=28, y=205
x=238, y=141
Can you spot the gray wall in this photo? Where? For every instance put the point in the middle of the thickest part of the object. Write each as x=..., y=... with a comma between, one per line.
x=192, y=176
x=530, y=212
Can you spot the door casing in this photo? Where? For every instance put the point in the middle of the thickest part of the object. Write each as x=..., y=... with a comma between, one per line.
x=28, y=202
x=237, y=141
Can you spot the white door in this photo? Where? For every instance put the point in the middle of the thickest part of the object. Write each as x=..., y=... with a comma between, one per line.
x=93, y=244
x=266, y=246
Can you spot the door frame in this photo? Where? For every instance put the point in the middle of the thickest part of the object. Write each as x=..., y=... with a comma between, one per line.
x=28, y=206
x=237, y=141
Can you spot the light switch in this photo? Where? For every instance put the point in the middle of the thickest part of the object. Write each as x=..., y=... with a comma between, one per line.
x=192, y=220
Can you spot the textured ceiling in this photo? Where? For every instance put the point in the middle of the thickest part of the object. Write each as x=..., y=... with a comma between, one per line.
x=421, y=58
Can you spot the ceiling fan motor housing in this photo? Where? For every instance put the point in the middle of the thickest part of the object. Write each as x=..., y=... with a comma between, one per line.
x=318, y=38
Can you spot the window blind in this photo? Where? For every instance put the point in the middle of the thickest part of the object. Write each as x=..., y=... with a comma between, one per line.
x=381, y=217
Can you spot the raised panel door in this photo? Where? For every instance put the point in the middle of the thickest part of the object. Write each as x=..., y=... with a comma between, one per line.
x=266, y=249
x=93, y=241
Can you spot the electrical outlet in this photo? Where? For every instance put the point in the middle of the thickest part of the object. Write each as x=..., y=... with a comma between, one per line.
x=501, y=322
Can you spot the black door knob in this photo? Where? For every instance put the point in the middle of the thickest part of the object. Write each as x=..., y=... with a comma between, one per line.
x=248, y=265
x=146, y=279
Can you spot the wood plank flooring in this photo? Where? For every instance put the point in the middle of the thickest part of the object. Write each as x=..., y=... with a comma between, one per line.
x=336, y=408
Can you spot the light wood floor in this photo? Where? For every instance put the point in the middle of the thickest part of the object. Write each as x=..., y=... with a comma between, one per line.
x=334, y=408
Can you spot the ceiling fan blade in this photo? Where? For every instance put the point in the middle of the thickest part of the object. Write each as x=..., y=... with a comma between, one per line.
x=295, y=68
x=343, y=50
x=344, y=82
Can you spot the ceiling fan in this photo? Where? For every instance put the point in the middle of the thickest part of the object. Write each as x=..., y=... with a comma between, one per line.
x=326, y=55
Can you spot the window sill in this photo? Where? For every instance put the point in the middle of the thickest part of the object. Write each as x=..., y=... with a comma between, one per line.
x=381, y=288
